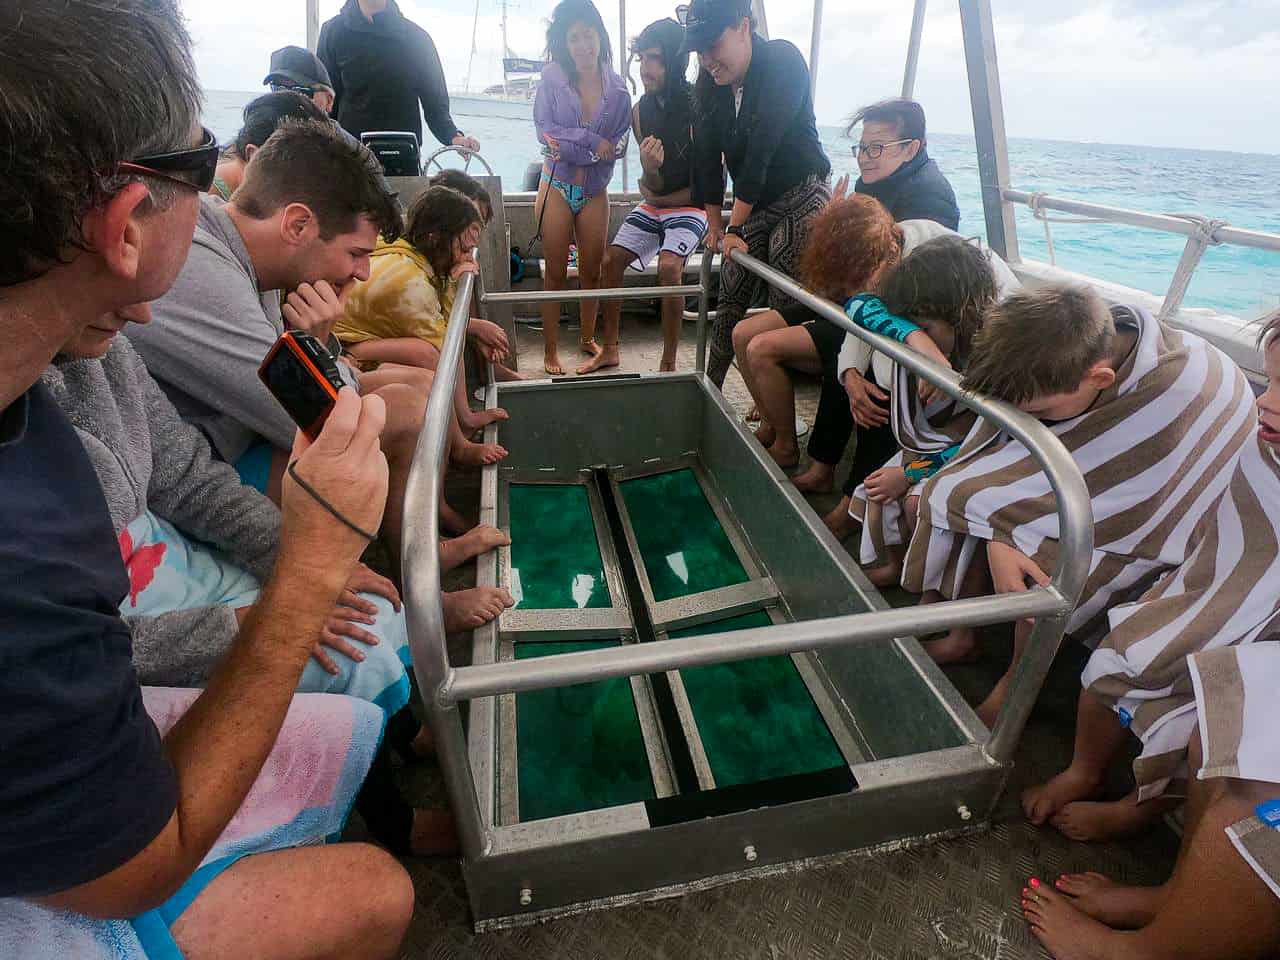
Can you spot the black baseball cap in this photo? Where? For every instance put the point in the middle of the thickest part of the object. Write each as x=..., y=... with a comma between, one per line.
x=705, y=20
x=298, y=66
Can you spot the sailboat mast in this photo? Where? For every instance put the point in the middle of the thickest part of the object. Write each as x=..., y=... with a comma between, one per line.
x=475, y=22
x=506, y=51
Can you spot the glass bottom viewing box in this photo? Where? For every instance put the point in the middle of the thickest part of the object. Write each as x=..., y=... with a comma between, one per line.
x=639, y=508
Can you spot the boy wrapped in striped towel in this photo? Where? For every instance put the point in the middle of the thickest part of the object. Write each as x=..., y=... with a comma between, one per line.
x=1157, y=420
x=1221, y=901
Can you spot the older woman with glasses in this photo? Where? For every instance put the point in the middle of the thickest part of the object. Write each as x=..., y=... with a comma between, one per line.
x=753, y=107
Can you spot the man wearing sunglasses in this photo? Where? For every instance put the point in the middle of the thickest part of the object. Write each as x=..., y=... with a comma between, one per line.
x=300, y=71
x=116, y=801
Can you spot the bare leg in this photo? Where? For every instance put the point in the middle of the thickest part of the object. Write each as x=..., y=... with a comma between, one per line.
x=557, y=230
x=591, y=226
x=1099, y=735
x=615, y=268
x=960, y=645
x=746, y=331
x=298, y=905
x=839, y=521
x=469, y=421
x=770, y=355
x=889, y=574
x=1217, y=908
x=670, y=273
x=818, y=477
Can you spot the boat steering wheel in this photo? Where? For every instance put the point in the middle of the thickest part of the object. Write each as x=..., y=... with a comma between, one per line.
x=469, y=155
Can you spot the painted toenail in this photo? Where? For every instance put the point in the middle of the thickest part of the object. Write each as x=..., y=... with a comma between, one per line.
x=1034, y=883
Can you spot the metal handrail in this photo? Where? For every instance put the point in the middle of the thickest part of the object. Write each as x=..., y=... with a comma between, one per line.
x=443, y=686
x=1201, y=233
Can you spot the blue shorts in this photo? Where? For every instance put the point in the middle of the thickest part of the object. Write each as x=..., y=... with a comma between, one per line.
x=152, y=927
x=254, y=466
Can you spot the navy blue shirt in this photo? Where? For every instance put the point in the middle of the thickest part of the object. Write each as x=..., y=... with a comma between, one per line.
x=84, y=783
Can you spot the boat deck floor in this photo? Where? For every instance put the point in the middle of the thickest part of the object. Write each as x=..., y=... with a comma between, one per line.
x=951, y=899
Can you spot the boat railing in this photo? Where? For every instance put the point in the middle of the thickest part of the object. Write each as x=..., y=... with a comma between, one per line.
x=443, y=686
x=1201, y=233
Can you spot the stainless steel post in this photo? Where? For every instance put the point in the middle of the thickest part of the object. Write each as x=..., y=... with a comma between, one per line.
x=988, y=125
x=423, y=599
x=313, y=24
x=622, y=66
x=815, y=46
x=704, y=280
x=913, y=49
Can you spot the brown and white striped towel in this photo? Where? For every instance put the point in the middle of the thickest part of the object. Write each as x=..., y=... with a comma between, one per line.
x=1157, y=451
x=921, y=429
x=1225, y=595
x=1239, y=714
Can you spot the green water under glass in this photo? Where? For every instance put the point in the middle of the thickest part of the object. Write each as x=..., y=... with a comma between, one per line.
x=580, y=747
x=756, y=718
x=555, y=557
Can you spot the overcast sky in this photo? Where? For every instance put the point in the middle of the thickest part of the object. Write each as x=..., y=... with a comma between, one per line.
x=1196, y=73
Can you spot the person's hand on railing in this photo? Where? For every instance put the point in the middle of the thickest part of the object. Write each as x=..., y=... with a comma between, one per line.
x=867, y=402
x=922, y=343
x=465, y=265
x=887, y=485
x=1011, y=569
x=466, y=143
x=490, y=338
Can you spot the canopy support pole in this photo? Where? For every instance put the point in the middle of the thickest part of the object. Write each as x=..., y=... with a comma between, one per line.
x=988, y=126
x=815, y=43
x=913, y=49
x=313, y=24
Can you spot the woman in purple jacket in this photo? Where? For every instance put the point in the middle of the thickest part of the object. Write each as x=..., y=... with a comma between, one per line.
x=583, y=116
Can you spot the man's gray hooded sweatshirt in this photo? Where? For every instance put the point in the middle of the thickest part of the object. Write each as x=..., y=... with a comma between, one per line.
x=148, y=458
x=209, y=334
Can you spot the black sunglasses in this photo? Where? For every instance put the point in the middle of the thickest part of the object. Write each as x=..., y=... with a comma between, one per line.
x=302, y=88
x=194, y=167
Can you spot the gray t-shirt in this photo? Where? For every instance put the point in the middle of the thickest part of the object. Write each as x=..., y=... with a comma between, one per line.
x=208, y=335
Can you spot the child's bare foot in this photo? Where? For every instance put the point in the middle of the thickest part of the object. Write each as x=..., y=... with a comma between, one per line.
x=765, y=433
x=479, y=419
x=477, y=454
x=551, y=363
x=667, y=364
x=1094, y=821
x=784, y=456
x=887, y=575
x=1064, y=931
x=818, y=477
x=590, y=347
x=1072, y=784
x=1118, y=906
x=753, y=414
x=452, y=522
x=506, y=375
x=840, y=522
x=468, y=609
x=603, y=357
x=433, y=834
x=476, y=541
x=958, y=646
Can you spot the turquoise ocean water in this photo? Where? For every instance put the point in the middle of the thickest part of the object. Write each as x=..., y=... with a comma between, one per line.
x=1243, y=189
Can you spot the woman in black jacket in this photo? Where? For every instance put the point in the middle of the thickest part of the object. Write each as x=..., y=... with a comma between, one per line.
x=753, y=106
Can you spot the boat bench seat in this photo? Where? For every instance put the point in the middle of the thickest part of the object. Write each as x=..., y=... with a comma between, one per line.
x=691, y=266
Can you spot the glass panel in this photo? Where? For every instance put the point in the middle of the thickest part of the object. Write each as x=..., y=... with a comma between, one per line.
x=681, y=542
x=555, y=557
x=580, y=747
x=756, y=718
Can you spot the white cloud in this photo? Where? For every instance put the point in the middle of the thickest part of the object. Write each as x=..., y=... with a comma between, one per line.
x=1173, y=72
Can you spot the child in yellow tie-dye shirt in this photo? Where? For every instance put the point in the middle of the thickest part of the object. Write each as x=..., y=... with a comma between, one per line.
x=400, y=314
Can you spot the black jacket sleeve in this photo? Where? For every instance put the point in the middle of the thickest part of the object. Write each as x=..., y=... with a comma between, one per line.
x=784, y=86
x=329, y=57
x=433, y=91
x=708, y=159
